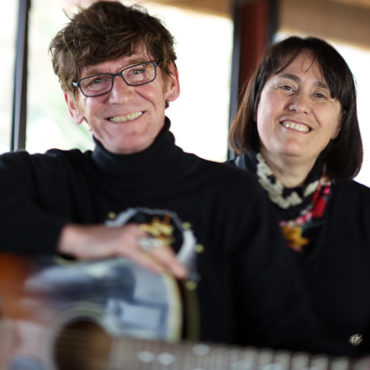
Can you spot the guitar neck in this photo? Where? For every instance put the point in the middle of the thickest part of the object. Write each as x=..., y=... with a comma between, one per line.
x=135, y=354
x=93, y=349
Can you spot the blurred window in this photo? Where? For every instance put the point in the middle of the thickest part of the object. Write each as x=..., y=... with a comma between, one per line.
x=48, y=122
x=8, y=27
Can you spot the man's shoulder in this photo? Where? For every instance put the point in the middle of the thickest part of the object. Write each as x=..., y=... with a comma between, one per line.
x=65, y=155
x=23, y=154
x=224, y=172
x=52, y=157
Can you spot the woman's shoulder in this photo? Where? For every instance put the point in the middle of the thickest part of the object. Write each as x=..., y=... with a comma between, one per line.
x=352, y=188
x=349, y=196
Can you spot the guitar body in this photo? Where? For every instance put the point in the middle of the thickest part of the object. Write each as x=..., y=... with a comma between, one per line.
x=51, y=306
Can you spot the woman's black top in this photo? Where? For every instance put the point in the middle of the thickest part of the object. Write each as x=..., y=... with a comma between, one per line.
x=327, y=228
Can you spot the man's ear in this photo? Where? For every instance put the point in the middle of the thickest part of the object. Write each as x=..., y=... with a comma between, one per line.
x=172, y=84
x=73, y=110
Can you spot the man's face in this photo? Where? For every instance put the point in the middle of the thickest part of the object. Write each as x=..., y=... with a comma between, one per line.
x=128, y=118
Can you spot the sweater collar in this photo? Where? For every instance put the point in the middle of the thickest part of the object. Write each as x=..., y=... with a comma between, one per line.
x=284, y=197
x=160, y=153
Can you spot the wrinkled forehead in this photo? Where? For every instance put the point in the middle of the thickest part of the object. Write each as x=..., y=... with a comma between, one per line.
x=138, y=54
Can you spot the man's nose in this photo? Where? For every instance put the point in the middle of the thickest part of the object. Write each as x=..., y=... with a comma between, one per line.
x=120, y=89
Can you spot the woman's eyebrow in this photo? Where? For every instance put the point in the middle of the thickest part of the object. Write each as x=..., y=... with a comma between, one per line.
x=322, y=85
x=296, y=78
x=289, y=76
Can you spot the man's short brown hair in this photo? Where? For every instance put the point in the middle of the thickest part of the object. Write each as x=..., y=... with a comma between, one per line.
x=106, y=31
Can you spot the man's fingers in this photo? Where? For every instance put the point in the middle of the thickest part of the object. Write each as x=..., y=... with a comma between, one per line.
x=167, y=258
x=162, y=255
x=147, y=243
x=130, y=241
x=146, y=261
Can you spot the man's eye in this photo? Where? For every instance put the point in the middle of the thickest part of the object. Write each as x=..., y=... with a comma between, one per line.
x=137, y=71
x=97, y=80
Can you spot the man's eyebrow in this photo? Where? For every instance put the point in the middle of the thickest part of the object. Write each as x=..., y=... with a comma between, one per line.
x=296, y=78
x=131, y=62
x=92, y=72
x=138, y=60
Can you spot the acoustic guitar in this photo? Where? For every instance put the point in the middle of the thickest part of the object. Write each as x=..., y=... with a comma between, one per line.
x=45, y=299
x=112, y=314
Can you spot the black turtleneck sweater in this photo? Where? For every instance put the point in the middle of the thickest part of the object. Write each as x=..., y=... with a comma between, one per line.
x=248, y=291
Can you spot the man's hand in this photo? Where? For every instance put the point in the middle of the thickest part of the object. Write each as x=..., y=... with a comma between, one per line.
x=129, y=241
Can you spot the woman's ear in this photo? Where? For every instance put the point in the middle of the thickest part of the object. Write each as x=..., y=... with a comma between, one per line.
x=73, y=109
x=172, y=84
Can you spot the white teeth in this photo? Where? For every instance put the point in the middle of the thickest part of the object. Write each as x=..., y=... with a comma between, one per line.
x=295, y=126
x=128, y=117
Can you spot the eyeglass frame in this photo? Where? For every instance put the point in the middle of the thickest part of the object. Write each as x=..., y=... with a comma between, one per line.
x=113, y=75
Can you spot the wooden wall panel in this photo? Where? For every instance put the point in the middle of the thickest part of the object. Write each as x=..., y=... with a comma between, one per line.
x=340, y=20
x=217, y=7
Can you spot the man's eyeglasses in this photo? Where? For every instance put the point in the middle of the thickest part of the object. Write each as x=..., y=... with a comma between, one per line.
x=102, y=83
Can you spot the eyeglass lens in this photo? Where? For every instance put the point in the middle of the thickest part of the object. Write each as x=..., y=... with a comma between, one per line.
x=102, y=83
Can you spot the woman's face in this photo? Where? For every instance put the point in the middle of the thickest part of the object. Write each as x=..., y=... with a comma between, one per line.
x=296, y=115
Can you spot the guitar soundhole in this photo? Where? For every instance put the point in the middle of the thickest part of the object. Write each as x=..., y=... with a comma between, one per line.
x=82, y=345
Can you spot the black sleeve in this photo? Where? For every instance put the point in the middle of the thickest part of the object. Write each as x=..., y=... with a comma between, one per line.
x=25, y=226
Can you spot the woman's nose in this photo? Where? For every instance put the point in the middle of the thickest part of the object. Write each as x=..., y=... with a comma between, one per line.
x=299, y=103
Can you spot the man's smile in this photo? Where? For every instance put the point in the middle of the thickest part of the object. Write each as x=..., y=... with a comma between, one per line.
x=125, y=118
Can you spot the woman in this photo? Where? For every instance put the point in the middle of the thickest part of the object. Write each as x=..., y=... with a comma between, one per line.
x=297, y=131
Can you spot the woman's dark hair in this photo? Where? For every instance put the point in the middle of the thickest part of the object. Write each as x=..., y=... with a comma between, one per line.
x=343, y=155
x=106, y=31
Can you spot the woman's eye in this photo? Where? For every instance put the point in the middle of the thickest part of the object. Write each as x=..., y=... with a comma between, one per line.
x=320, y=96
x=286, y=88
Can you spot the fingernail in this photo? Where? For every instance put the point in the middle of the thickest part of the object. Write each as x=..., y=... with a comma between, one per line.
x=182, y=272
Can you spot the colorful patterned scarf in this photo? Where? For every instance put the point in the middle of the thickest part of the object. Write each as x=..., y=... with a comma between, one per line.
x=310, y=200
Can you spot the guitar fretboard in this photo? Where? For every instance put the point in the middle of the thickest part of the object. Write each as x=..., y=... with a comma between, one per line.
x=135, y=354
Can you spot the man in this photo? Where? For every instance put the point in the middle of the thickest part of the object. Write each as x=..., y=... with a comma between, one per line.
x=139, y=196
